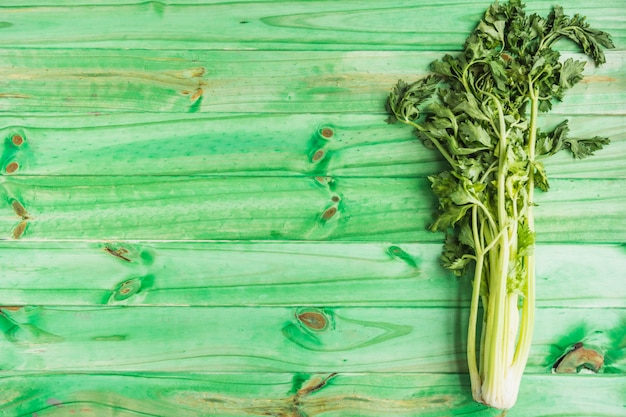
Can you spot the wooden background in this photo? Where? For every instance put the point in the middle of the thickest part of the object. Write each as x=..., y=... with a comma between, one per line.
x=203, y=213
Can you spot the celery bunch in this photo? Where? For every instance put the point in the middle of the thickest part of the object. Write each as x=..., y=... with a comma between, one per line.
x=480, y=110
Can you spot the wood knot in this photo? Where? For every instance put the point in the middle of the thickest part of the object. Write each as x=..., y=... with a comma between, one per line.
x=399, y=253
x=19, y=209
x=318, y=155
x=327, y=133
x=329, y=213
x=12, y=167
x=126, y=289
x=17, y=140
x=19, y=229
x=197, y=94
x=325, y=181
x=577, y=359
x=313, y=319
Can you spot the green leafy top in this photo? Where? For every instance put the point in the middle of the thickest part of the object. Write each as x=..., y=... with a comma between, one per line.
x=474, y=108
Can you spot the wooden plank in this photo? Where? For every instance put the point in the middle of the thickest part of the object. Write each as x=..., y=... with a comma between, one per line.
x=267, y=144
x=282, y=274
x=276, y=339
x=181, y=81
x=272, y=208
x=327, y=395
x=564, y=209
x=180, y=208
x=231, y=144
x=608, y=163
x=293, y=25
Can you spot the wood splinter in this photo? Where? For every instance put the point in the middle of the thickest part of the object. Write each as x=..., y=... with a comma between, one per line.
x=118, y=253
x=314, y=384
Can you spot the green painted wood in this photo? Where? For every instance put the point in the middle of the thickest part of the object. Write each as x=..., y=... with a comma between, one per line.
x=119, y=80
x=236, y=91
x=323, y=395
x=281, y=339
x=282, y=274
x=319, y=208
x=292, y=25
x=257, y=144
x=183, y=208
x=231, y=144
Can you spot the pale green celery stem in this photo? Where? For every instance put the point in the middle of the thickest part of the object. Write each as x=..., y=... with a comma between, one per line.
x=475, y=378
x=528, y=308
x=496, y=349
x=488, y=235
x=496, y=324
x=483, y=300
x=502, y=167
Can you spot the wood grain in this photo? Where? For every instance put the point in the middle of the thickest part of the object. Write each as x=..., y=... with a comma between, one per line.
x=290, y=394
x=234, y=274
x=283, y=25
x=267, y=144
x=279, y=208
x=295, y=81
x=281, y=339
x=179, y=237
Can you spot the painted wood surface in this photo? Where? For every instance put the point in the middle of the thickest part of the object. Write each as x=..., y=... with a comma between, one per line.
x=277, y=208
x=280, y=339
x=117, y=80
x=283, y=274
x=203, y=212
x=290, y=25
x=318, y=394
x=258, y=144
